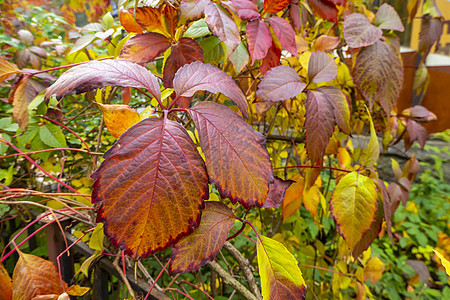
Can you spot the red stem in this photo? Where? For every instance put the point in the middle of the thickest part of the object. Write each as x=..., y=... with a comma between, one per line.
x=46, y=150
x=152, y=96
x=156, y=280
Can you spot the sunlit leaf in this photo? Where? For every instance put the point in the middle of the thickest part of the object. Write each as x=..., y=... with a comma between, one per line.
x=444, y=262
x=378, y=71
x=285, y=33
x=374, y=270
x=185, y=51
x=203, y=77
x=321, y=67
x=280, y=83
x=143, y=48
x=76, y=290
x=118, y=118
x=96, y=240
x=222, y=25
x=311, y=199
x=6, y=290
x=274, y=6
x=353, y=206
x=7, y=69
x=359, y=32
x=236, y=158
x=127, y=20
x=98, y=74
x=34, y=276
x=258, y=38
x=150, y=187
x=326, y=43
x=281, y=277
x=271, y=60
x=200, y=247
x=387, y=18
x=246, y=9
x=163, y=19
x=277, y=191
x=192, y=9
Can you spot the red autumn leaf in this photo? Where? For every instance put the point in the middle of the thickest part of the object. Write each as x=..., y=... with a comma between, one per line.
x=151, y=187
x=246, y=9
x=277, y=190
x=127, y=20
x=280, y=83
x=340, y=104
x=319, y=123
x=321, y=67
x=271, y=60
x=274, y=6
x=143, y=48
x=417, y=132
x=192, y=9
x=387, y=206
x=197, y=249
x=359, y=32
x=326, y=43
x=34, y=276
x=297, y=15
x=126, y=95
x=222, y=25
x=185, y=51
x=258, y=38
x=163, y=19
x=326, y=9
x=236, y=157
x=387, y=18
x=370, y=235
x=98, y=74
x=430, y=34
x=378, y=72
x=285, y=33
x=204, y=77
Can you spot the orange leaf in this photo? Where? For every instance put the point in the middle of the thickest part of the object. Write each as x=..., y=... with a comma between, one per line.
x=20, y=103
x=7, y=69
x=34, y=276
x=293, y=197
x=200, y=247
x=143, y=48
x=311, y=199
x=5, y=284
x=274, y=6
x=151, y=187
x=127, y=20
x=163, y=19
x=118, y=118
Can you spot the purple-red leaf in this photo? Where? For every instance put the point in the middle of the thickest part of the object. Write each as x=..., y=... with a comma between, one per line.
x=285, y=33
x=204, y=77
x=197, y=249
x=387, y=206
x=326, y=8
x=417, y=132
x=98, y=74
x=192, y=9
x=236, y=157
x=358, y=32
x=151, y=187
x=145, y=47
x=185, y=51
x=274, y=6
x=271, y=60
x=258, y=38
x=340, y=104
x=280, y=83
x=430, y=34
x=222, y=25
x=387, y=18
x=378, y=71
x=276, y=193
x=321, y=67
x=246, y=9
x=319, y=123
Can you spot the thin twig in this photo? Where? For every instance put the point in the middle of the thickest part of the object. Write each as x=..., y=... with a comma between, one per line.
x=122, y=275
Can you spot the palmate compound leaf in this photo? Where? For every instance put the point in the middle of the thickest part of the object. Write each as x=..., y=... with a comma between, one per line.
x=353, y=206
x=236, y=157
x=151, y=187
x=204, y=77
x=98, y=74
x=378, y=71
x=321, y=67
x=258, y=38
x=34, y=276
x=222, y=26
x=197, y=249
x=145, y=47
x=358, y=32
x=325, y=107
x=280, y=83
x=281, y=277
x=163, y=19
x=387, y=18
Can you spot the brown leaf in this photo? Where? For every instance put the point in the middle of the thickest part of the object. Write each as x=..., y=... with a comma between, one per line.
x=145, y=47
x=185, y=51
x=326, y=43
x=200, y=247
x=417, y=132
x=7, y=69
x=118, y=118
x=236, y=157
x=20, y=103
x=34, y=276
x=151, y=187
x=6, y=290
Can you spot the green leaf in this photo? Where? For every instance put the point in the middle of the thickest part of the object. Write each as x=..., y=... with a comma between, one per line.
x=353, y=206
x=83, y=42
x=197, y=29
x=281, y=277
x=373, y=150
x=239, y=57
x=212, y=50
x=52, y=135
x=107, y=21
x=4, y=147
x=96, y=241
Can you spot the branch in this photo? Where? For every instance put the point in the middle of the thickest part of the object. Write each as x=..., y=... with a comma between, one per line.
x=244, y=265
x=231, y=281
x=123, y=276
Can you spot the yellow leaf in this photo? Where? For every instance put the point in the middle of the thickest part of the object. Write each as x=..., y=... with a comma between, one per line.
x=374, y=270
x=118, y=118
x=76, y=290
x=373, y=150
x=444, y=262
x=96, y=241
x=293, y=197
x=7, y=69
x=311, y=199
